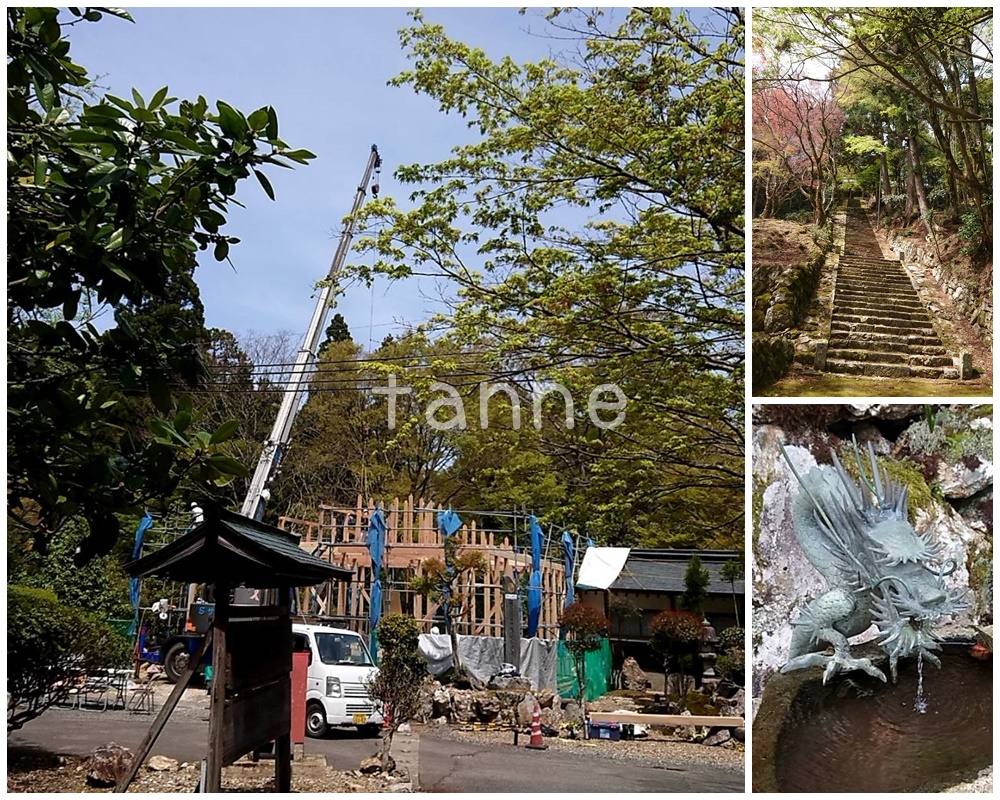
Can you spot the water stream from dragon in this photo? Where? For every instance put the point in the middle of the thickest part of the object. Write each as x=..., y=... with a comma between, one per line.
x=860, y=735
x=920, y=704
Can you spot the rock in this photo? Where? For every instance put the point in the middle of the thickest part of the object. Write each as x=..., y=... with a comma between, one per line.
x=964, y=478
x=162, y=764
x=461, y=706
x=511, y=683
x=736, y=706
x=717, y=736
x=740, y=734
x=526, y=710
x=546, y=698
x=439, y=721
x=487, y=706
x=373, y=765
x=440, y=702
x=107, y=764
x=633, y=676
x=571, y=710
x=551, y=717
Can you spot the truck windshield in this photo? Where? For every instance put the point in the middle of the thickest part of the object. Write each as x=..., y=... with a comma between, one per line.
x=342, y=648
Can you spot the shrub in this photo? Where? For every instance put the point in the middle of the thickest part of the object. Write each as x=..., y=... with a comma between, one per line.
x=399, y=683
x=585, y=627
x=677, y=636
x=732, y=639
x=50, y=647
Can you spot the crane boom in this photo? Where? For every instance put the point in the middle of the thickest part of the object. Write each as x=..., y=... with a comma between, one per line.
x=298, y=381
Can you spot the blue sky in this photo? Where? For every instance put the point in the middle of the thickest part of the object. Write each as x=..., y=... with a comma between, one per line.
x=325, y=71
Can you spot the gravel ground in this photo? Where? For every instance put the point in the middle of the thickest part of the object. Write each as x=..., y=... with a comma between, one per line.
x=67, y=774
x=653, y=751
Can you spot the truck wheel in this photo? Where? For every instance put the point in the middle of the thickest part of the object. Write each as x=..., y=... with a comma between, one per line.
x=176, y=661
x=315, y=721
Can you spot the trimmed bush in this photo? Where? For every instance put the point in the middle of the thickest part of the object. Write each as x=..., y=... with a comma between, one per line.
x=51, y=647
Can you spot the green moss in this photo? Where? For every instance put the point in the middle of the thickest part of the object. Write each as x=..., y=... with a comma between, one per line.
x=980, y=566
x=906, y=472
x=772, y=357
x=830, y=384
x=757, y=511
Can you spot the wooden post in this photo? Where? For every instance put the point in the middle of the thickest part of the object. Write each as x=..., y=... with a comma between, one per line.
x=283, y=744
x=216, y=725
x=154, y=732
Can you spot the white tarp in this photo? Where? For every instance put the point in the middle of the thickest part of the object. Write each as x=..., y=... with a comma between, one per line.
x=601, y=566
x=482, y=656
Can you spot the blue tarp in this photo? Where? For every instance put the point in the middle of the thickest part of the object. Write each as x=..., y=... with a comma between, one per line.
x=569, y=552
x=376, y=549
x=448, y=523
x=535, y=582
x=134, y=589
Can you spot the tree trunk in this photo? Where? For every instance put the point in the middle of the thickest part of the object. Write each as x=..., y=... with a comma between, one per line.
x=886, y=188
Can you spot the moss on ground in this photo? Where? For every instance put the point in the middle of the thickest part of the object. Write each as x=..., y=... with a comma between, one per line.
x=835, y=385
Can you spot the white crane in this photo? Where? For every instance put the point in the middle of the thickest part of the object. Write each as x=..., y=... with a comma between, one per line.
x=298, y=382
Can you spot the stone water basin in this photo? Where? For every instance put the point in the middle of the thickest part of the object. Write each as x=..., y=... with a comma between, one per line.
x=860, y=735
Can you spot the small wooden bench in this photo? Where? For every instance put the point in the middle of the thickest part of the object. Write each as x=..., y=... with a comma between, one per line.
x=673, y=720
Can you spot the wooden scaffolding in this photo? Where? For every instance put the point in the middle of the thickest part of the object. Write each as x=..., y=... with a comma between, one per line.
x=339, y=536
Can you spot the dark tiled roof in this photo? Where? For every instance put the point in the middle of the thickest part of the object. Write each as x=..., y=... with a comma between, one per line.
x=233, y=549
x=667, y=575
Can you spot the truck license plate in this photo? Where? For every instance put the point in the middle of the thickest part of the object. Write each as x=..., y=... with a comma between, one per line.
x=360, y=719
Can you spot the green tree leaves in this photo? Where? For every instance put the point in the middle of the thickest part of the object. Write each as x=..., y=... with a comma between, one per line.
x=108, y=205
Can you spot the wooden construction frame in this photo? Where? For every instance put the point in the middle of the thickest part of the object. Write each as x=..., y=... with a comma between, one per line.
x=339, y=536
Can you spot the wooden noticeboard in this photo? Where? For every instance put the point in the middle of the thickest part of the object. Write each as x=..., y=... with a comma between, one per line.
x=258, y=680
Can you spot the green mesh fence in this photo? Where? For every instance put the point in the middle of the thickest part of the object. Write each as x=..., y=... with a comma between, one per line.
x=597, y=671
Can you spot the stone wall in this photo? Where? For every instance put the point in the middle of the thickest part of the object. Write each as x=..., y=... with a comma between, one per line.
x=975, y=305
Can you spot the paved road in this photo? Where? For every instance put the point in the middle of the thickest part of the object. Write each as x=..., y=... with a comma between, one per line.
x=446, y=765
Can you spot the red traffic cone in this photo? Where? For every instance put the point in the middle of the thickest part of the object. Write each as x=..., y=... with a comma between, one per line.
x=536, y=743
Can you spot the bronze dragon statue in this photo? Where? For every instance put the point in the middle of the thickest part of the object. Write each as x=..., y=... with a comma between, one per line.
x=878, y=569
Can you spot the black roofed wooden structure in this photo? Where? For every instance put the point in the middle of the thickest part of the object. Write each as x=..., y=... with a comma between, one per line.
x=251, y=644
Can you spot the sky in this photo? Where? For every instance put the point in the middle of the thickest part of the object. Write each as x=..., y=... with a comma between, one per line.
x=325, y=71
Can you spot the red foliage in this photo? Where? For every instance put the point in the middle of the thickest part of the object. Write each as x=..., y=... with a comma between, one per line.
x=795, y=126
x=677, y=630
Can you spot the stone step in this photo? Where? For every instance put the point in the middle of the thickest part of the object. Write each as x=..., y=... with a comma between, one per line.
x=869, y=261
x=881, y=311
x=884, y=357
x=867, y=277
x=877, y=370
x=848, y=327
x=877, y=324
x=850, y=273
x=926, y=345
x=854, y=297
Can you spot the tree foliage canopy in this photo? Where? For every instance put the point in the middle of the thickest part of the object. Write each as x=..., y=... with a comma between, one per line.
x=591, y=234
x=109, y=201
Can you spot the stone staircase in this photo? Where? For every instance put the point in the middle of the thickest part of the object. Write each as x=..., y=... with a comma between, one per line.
x=880, y=326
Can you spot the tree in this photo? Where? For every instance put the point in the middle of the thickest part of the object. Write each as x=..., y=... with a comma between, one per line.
x=51, y=647
x=926, y=66
x=677, y=637
x=696, y=580
x=623, y=611
x=796, y=125
x=400, y=683
x=108, y=206
x=585, y=628
x=447, y=583
x=592, y=233
x=337, y=330
x=732, y=571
